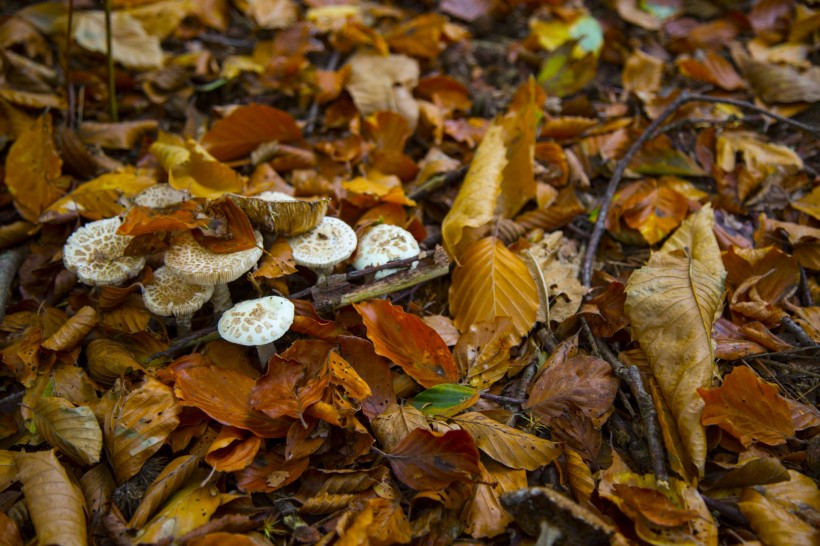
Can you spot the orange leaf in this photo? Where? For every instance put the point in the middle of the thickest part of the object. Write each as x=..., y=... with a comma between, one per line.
x=654, y=506
x=246, y=128
x=73, y=331
x=712, y=69
x=225, y=395
x=241, y=235
x=278, y=261
x=408, y=342
x=140, y=221
x=270, y=473
x=493, y=282
x=33, y=167
x=430, y=460
x=748, y=408
x=296, y=379
x=232, y=450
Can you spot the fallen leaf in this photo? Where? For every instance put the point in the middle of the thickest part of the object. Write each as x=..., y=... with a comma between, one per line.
x=429, y=460
x=232, y=450
x=482, y=353
x=445, y=399
x=408, y=342
x=73, y=331
x=246, y=128
x=169, y=480
x=380, y=83
x=775, y=525
x=130, y=45
x=73, y=430
x=98, y=198
x=672, y=303
x=748, y=408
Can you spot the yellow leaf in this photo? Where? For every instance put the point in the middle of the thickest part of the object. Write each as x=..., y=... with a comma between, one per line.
x=189, y=508
x=98, y=198
x=131, y=46
x=672, y=303
x=169, y=480
x=507, y=445
x=191, y=168
x=500, y=178
x=493, y=282
x=485, y=516
x=73, y=430
x=8, y=468
x=775, y=525
x=54, y=502
x=760, y=156
x=33, y=167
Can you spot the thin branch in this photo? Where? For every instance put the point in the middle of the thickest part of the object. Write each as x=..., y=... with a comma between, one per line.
x=109, y=55
x=69, y=90
x=313, y=113
x=648, y=134
x=502, y=399
x=10, y=262
x=794, y=329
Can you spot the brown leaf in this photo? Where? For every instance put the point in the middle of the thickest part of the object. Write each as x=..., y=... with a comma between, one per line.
x=270, y=473
x=775, y=525
x=9, y=531
x=654, y=506
x=73, y=430
x=277, y=262
x=246, y=127
x=116, y=136
x=507, y=445
x=137, y=424
x=373, y=369
x=429, y=460
x=240, y=233
x=169, y=480
x=396, y=423
x=483, y=352
x=225, y=395
x=582, y=381
x=44, y=482
x=408, y=342
x=748, y=408
x=140, y=221
x=33, y=169
x=232, y=450
x=713, y=69
x=73, y=331
x=493, y=282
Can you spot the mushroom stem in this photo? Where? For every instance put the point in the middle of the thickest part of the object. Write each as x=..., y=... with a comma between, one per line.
x=184, y=324
x=221, y=300
x=265, y=352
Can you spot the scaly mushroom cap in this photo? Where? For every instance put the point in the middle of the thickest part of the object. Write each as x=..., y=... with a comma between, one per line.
x=329, y=243
x=257, y=322
x=170, y=294
x=160, y=196
x=95, y=253
x=195, y=263
x=385, y=243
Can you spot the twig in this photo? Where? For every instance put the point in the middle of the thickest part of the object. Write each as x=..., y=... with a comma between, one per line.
x=805, y=292
x=193, y=338
x=502, y=399
x=727, y=510
x=69, y=90
x=10, y=262
x=793, y=328
x=112, y=89
x=632, y=377
x=313, y=113
x=649, y=133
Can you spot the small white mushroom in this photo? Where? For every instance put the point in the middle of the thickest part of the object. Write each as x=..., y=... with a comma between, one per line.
x=322, y=248
x=385, y=243
x=160, y=196
x=95, y=253
x=196, y=264
x=258, y=322
x=170, y=294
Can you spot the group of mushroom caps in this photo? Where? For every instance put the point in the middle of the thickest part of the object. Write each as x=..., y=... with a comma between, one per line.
x=192, y=275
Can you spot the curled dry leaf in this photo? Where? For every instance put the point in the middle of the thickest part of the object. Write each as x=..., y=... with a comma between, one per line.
x=507, y=445
x=108, y=360
x=672, y=303
x=115, y=136
x=73, y=430
x=748, y=408
x=396, y=423
x=407, y=341
x=232, y=450
x=493, y=282
x=44, y=481
x=429, y=460
x=483, y=352
x=131, y=45
x=73, y=331
x=137, y=423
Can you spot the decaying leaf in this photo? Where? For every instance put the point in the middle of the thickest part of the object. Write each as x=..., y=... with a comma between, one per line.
x=672, y=303
x=73, y=430
x=429, y=460
x=169, y=480
x=384, y=84
x=248, y=127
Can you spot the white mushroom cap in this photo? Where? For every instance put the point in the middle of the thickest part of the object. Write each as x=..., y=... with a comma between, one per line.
x=195, y=263
x=95, y=253
x=385, y=243
x=160, y=196
x=257, y=322
x=170, y=294
x=275, y=196
x=329, y=243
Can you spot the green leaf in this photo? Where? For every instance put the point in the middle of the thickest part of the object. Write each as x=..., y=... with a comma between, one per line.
x=446, y=399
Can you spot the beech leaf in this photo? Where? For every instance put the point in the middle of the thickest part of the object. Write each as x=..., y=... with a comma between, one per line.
x=169, y=480
x=493, y=282
x=445, y=399
x=672, y=303
x=245, y=128
x=775, y=525
x=430, y=460
x=73, y=430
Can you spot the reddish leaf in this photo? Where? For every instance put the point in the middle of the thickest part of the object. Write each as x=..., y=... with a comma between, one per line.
x=748, y=408
x=270, y=473
x=232, y=450
x=430, y=460
x=240, y=233
x=141, y=221
x=225, y=395
x=654, y=506
x=246, y=128
x=408, y=342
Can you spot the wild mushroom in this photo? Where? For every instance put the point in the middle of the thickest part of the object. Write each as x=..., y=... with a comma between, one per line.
x=160, y=196
x=95, y=253
x=277, y=212
x=196, y=264
x=323, y=247
x=385, y=243
x=258, y=322
x=170, y=294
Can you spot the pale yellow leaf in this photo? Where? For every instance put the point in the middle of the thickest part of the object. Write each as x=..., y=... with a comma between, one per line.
x=54, y=502
x=73, y=430
x=672, y=303
x=131, y=46
x=380, y=83
x=98, y=198
x=775, y=525
x=493, y=282
x=507, y=445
